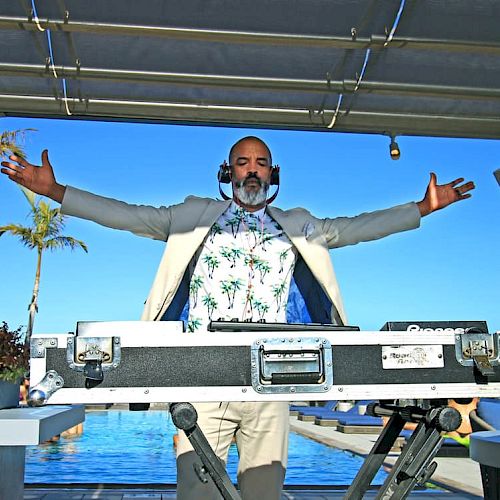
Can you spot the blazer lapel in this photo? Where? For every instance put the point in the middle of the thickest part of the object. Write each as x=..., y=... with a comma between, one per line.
x=206, y=221
x=315, y=256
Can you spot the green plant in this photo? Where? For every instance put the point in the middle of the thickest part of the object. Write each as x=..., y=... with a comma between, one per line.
x=14, y=354
x=11, y=142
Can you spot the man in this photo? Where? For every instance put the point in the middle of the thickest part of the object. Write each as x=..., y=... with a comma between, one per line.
x=239, y=259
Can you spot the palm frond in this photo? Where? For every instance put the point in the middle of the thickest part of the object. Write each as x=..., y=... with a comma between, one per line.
x=48, y=221
x=12, y=142
x=30, y=196
x=64, y=242
x=25, y=234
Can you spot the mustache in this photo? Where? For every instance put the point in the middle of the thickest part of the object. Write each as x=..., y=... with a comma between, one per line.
x=250, y=176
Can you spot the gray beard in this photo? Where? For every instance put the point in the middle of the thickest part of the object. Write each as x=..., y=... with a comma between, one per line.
x=253, y=198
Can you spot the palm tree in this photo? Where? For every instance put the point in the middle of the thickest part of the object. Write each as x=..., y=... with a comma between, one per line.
x=263, y=267
x=214, y=231
x=195, y=284
x=249, y=301
x=194, y=324
x=210, y=303
x=230, y=287
x=43, y=234
x=225, y=287
x=250, y=261
x=265, y=237
x=253, y=230
x=235, y=221
x=235, y=253
x=225, y=252
x=231, y=254
x=262, y=308
x=278, y=291
x=282, y=256
x=212, y=263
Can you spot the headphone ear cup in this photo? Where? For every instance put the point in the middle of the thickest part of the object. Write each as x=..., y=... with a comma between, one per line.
x=224, y=175
x=275, y=176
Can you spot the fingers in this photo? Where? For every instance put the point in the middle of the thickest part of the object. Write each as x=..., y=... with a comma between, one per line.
x=459, y=190
x=464, y=188
x=468, y=186
x=10, y=168
x=13, y=172
x=461, y=197
x=456, y=181
x=20, y=160
x=454, y=184
x=19, y=173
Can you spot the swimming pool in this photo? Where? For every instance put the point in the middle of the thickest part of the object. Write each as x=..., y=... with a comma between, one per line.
x=136, y=447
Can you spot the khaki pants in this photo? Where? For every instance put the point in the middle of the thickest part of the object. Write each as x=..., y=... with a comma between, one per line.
x=261, y=432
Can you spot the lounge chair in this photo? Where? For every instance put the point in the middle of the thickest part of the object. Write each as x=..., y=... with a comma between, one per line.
x=331, y=418
x=296, y=409
x=308, y=413
x=489, y=410
x=360, y=424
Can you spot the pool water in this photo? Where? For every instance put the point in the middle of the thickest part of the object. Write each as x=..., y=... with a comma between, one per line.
x=137, y=447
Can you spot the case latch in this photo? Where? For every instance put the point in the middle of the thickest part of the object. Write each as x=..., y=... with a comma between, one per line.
x=292, y=365
x=478, y=349
x=93, y=356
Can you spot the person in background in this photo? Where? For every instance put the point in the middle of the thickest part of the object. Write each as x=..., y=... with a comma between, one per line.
x=23, y=391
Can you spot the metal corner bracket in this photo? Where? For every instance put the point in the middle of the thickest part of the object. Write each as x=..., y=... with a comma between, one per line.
x=38, y=346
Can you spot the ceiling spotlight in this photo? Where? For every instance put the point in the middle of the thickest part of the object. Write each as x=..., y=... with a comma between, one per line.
x=394, y=149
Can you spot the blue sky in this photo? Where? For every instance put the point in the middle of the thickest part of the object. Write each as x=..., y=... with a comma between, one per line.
x=449, y=269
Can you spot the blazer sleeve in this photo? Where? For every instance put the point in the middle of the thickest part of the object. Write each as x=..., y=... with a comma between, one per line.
x=343, y=231
x=142, y=220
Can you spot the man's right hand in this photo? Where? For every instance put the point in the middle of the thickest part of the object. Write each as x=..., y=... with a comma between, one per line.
x=39, y=179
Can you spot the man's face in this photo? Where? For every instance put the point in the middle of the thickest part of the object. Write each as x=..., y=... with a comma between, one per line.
x=250, y=172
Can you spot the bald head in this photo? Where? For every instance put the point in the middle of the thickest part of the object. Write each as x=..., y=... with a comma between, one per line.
x=248, y=139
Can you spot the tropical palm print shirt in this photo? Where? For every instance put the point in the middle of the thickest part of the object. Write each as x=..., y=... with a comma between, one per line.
x=243, y=271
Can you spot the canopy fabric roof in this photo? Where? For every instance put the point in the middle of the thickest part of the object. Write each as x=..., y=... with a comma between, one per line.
x=395, y=67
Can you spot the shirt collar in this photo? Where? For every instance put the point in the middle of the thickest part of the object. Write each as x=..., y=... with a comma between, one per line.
x=235, y=208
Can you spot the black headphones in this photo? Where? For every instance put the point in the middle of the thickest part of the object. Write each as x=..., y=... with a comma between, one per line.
x=224, y=174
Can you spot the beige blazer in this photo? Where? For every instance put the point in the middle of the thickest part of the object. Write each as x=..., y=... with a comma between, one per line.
x=185, y=226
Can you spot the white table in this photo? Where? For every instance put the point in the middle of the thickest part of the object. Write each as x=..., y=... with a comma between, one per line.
x=21, y=427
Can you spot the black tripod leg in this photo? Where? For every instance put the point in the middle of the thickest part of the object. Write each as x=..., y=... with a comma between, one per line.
x=212, y=463
x=185, y=417
x=413, y=465
x=375, y=458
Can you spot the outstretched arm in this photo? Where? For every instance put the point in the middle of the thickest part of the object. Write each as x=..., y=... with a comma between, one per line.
x=440, y=196
x=151, y=222
x=39, y=179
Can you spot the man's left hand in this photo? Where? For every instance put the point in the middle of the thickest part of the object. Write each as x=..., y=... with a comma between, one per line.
x=440, y=196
